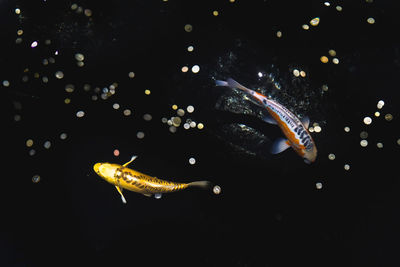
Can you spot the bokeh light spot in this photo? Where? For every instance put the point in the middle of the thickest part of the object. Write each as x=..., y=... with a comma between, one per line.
x=69, y=88
x=88, y=12
x=180, y=112
x=59, y=74
x=140, y=135
x=314, y=21
x=147, y=117
x=190, y=108
x=371, y=20
x=6, y=83
x=176, y=121
x=192, y=161
x=172, y=129
x=367, y=120
x=79, y=57
x=217, y=189
x=332, y=52
x=195, y=69
x=380, y=104
x=188, y=28
x=80, y=114
x=36, y=179
x=29, y=142
x=364, y=143
x=47, y=144
x=364, y=135
x=388, y=117
x=324, y=59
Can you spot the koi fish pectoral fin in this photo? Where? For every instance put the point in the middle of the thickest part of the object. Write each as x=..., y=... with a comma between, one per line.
x=119, y=189
x=305, y=121
x=147, y=194
x=280, y=145
x=132, y=159
x=269, y=119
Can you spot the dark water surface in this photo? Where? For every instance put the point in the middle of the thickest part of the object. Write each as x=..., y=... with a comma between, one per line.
x=74, y=79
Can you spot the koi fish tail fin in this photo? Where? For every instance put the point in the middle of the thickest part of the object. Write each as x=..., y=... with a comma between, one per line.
x=201, y=184
x=221, y=83
x=231, y=83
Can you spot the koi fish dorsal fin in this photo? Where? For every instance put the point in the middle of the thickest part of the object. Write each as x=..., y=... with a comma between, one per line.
x=280, y=145
x=269, y=119
x=305, y=121
x=132, y=159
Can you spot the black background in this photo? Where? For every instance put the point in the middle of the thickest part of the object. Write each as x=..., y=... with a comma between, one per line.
x=269, y=212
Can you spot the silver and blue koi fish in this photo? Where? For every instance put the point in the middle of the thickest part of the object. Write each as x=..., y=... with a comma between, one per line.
x=292, y=127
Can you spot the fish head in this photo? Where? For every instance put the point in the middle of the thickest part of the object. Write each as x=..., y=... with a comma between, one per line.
x=106, y=171
x=310, y=154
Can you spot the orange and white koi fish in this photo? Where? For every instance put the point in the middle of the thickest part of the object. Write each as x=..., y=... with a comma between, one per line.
x=124, y=178
x=295, y=130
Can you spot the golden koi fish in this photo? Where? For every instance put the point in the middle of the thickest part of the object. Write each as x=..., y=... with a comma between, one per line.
x=124, y=178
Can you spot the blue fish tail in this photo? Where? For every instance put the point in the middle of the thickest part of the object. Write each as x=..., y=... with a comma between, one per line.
x=232, y=84
x=221, y=83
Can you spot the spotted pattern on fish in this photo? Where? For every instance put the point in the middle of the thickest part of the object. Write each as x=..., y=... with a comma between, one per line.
x=297, y=134
x=136, y=181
